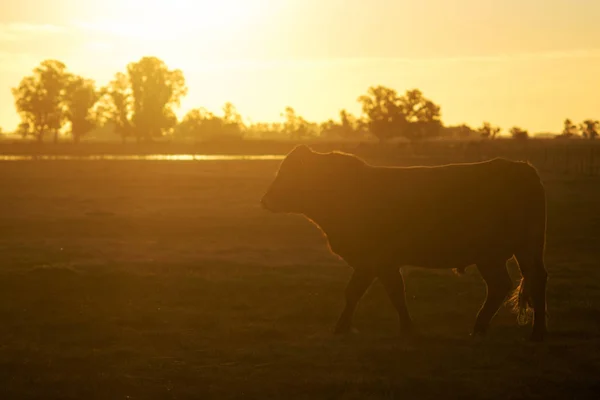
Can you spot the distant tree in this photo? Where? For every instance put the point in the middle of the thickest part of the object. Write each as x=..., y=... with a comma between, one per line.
x=422, y=115
x=384, y=112
x=519, y=134
x=39, y=99
x=569, y=128
x=263, y=130
x=156, y=91
x=462, y=131
x=351, y=126
x=295, y=126
x=388, y=115
x=487, y=131
x=116, y=106
x=201, y=124
x=233, y=125
x=589, y=129
x=198, y=124
x=24, y=129
x=80, y=97
x=329, y=129
x=348, y=128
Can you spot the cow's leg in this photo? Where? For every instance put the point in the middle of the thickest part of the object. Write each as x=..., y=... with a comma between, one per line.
x=499, y=285
x=392, y=281
x=356, y=288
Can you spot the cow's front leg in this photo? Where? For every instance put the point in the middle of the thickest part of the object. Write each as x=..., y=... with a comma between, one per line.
x=392, y=281
x=498, y=285
x=356, y=288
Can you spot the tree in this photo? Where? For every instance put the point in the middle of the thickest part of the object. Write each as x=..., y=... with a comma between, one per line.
x=349, y=127
x=569, y=128
x=80, y=97
x=39, y=99
x=422, y=115
x=24, y=129
x=201, y=124
x=383, y=112
x=519, y=134
x=462, y=131
x=232, y=121
x=295, y=126
x=487, y=131
x=589, y=129
x=197, y=124
x=156, y=91
x=388, y=115
x=116, y=105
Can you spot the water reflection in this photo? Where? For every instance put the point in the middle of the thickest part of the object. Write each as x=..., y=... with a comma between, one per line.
x=152, y=157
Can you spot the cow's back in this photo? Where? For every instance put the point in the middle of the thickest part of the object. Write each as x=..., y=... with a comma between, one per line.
x=443, y=216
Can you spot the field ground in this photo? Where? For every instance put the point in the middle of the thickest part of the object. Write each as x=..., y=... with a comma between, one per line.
x=165, y=280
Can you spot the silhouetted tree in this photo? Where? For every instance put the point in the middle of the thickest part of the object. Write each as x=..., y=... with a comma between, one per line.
x=39, y=99
x=201, y=124
x=388, y=115
x=264, y=130
x=422, y=115
x=487, y=131
x=349, y=127
x=156, y=91
x=24, y=129
x=569, y=128
x=80, y=97
x=295, y=126
x=197, y=124
x=233, y=125
x=383, y=111
x=462, y=131
x=519, y=134
x=589, y=129
x=116, y=105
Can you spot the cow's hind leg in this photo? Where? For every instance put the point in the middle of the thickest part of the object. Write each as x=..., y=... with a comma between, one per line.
x=392, y=281
x=499, y=285
x=361, y=279
x=532, y=290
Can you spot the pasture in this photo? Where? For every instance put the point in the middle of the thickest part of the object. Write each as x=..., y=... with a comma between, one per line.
x=165, y=280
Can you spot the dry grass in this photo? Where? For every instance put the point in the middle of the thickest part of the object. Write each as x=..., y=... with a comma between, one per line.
x=164, y=280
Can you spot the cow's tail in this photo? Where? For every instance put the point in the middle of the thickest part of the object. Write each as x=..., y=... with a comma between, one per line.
x=520, y=302
x=530, y=257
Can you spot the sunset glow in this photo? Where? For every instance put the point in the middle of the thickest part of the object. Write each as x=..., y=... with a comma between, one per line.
x=503, y=62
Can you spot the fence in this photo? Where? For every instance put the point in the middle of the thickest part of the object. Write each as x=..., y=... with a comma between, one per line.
x=554, y=156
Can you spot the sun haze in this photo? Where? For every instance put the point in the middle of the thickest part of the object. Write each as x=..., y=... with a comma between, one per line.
x=527, y=63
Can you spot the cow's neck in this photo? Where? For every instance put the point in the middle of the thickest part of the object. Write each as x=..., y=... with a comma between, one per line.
x=333, y=221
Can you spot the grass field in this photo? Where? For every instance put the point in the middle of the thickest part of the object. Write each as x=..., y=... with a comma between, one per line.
x=165, y=280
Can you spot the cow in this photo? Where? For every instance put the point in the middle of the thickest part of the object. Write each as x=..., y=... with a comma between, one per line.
x=381, y=218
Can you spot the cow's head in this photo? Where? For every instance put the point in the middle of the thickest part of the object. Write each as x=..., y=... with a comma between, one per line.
x=291, y=185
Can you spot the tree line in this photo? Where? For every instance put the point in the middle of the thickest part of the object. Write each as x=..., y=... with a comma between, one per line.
x=139, y=104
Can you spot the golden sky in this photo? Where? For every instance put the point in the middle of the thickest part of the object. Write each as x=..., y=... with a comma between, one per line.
x=529, y=63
